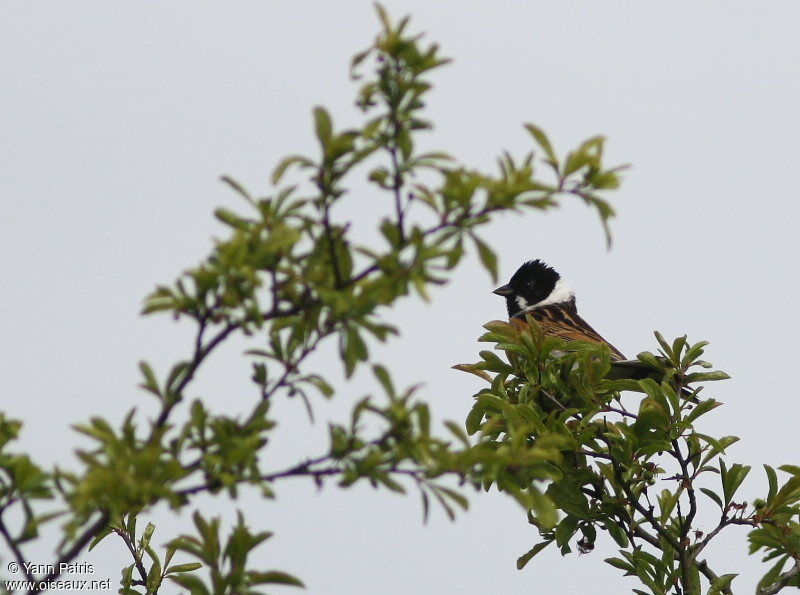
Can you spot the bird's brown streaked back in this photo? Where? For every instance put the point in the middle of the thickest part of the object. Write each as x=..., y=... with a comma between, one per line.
x=564, y=322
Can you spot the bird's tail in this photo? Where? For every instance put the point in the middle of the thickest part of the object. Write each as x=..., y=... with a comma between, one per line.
x=634, y=369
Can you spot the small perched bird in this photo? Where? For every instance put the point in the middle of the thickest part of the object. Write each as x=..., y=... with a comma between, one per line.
x=539, y=291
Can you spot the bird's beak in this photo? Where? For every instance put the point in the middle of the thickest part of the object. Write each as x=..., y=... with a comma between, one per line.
x=504, y=291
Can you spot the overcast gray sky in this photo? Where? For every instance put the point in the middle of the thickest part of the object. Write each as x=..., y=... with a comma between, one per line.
x=117, y=119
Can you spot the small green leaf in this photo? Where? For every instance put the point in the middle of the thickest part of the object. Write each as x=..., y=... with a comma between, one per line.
x=487, y=256
x=713, y=496
x=566, y=529
x=544, y=143
x=188, y=567
x=526, y=557
x=702, y=408
x=275, y=577
x=286, y=163
x=621, y=564
x=616, y=532
x=238, y=188
x=772, y=477
x=323, y=125
x=105, y=532
x=475, y=418
x=721, y=584
x=383, y=377
x=150, y=383
x=706, y=377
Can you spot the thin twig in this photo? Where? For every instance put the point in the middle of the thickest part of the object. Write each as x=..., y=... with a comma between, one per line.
x=622, y=412
x=136, y=558
x=552, y=398
x=597, y=455
x=702, y=566
x=12, y=545
x=724, y=521
x=72, y=552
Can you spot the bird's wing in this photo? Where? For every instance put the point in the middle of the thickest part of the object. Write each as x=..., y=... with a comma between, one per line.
x=565, y=323
x=636, y=370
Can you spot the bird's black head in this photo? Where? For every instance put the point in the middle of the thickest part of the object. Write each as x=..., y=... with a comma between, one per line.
x=534, y=283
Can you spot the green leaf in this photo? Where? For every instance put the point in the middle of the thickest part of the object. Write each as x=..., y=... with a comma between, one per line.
x=105, y=532
x=702, y=408
x=566, y=529
x=275, y=577
x=567, y=496
x=543, y=507
x=772, y=478
x=150, y=383
x=616, y=532
x=192, y=583
x=706, y=376
x=731, y=479
x=154, y=578
x=487, y=256
x=323, y=125
x=772, y=574
x=458, y=432
x=475, y=418
x=721, y=584
x=238, y=188
x=711, y=494
x=544, y=143
x=147, y=535
x=526, y=557
x=286, y=163
x=473, y=369
x=383, y=377
x=455, y=496
x=188, y=567
x=621, y=564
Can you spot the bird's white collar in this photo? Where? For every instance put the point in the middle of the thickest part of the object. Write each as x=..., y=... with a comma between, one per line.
x=561, y=293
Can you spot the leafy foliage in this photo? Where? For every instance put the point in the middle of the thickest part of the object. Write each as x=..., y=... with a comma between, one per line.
x=550, y=429
x=546, y=391
x=290, y=276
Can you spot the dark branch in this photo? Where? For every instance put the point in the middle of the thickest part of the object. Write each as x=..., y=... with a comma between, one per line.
x=136, y=558
x=702, y=566
x=72, y=552
x=12, y=545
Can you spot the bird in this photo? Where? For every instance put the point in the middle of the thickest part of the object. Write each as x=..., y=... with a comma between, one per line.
x=538, y=291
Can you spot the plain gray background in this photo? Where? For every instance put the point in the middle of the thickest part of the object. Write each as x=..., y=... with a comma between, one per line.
x=116, y=120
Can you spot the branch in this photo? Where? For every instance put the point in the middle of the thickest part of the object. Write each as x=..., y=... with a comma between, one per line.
x=137, y=559
x=201, y=352
x=647, y=514
x=306, y=469
x=686, y=482
x=12, y=545
x=649, y=538
x=598, y=455
x=72, y=552
x=552, y=398
x=783, y=580
x=326, y=222
x=397, y=181
x=661, y=531
x=620, y=411
x=724, y=521
x=702, y=566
